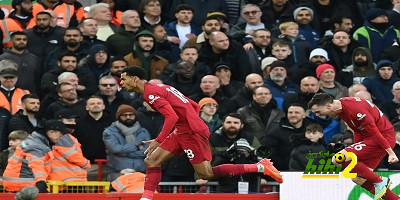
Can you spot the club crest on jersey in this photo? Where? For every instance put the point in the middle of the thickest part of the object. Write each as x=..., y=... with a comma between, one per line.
x=153, y=98
x=360, y=116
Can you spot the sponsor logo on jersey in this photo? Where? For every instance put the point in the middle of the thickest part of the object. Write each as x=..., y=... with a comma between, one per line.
x=360, y=116
x=153, y=98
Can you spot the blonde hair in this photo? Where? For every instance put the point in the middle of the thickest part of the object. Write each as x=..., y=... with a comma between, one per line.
x=285, y=25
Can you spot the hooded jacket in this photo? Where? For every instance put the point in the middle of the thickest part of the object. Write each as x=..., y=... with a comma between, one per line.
x=302, y=147
x=358, y=74
x=153, y=64
x=121, y=43
x=89, y=62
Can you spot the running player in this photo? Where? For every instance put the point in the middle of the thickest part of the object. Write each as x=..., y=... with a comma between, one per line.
x=373, y=138
x=190, y=135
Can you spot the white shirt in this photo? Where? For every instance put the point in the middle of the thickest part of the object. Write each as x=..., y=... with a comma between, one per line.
x=104, y=32
x=251, y=27
x=182, y=32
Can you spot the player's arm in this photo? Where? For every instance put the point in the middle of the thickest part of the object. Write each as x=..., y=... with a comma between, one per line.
x=170, y=119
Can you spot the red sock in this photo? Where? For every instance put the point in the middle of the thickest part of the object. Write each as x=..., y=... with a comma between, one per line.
x=153, y=178
x=363, y=172
x=390, y=195
x=369, y=186
x=233, y=169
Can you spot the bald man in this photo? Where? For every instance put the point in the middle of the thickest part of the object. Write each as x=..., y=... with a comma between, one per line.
x=309, y=85
x=245, y=95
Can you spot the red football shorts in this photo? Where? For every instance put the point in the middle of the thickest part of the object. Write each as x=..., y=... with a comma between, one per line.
x=369, y=152
x=195, y=145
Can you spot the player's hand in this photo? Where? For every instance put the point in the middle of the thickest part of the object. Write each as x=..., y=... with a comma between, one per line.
x=153, y=145
x=393, y=158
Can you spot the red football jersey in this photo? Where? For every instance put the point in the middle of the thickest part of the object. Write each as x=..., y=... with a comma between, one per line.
x=178, y=110
x=366, y=120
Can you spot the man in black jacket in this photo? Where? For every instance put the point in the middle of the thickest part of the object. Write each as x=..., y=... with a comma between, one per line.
x=26, y=119
x=245, y=95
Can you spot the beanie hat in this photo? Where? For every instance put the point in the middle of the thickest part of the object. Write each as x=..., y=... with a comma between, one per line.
x=267, y=61
x=96, y=48
x=221, y=64
x=53, y=124
x=278, y=63
x=384, y=63
x=207, y=100
x=123, y=109
x=323, y=67
x=17, y=2
x=319, y=52
x=295, y=12
x=374, y=13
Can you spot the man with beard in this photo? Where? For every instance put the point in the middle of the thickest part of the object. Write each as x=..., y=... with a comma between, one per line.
x=26, y=119
x=279, y=86
x=88, y=132
x=185, y=80
x=108, y=91
x=43, y=38
x=210, y=25
x=278, y=137
x=143, y=55
x=362, y=65
x=164, y=48
x=222, y=139
x=19, y=19
x=89, y=29
x=60, y=9
x=73, y=41
x=245, y=95
x=376, y=34
x=124, y=143
x=121, y=42
x=68, y=100
x=261, y=114
x=28, y=66
x=317, y=56
x=303, y=16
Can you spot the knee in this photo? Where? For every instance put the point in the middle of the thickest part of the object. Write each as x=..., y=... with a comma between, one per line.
x=150, y=162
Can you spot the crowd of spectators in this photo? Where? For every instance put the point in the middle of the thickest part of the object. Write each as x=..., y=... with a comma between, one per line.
x=252, y=65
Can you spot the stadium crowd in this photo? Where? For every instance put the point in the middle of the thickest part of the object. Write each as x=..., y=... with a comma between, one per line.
x=252, y=66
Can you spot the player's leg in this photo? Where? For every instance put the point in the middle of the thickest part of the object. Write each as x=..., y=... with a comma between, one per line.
x=369, y=186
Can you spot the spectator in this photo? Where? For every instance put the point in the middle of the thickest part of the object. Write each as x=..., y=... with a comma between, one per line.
x=208, y=110
x=182, y=29
x=124, y=142
x=277, y=83
x=389, y=107
x=228, y=86
x=143, y=55
x=68, y=100
x=266, y=65
x=362, y=65
x=381, y=83
x=244, y=31
x=185, y=80
x=10, y=96
x=258, y=48
x=129, y=181
x=89, y=29
x=121, y=42
x=223, y=140
x=210, y=88
x=281, y=49
x=356, y=87
x=72, y=41
x=164, y=47
x=326, y=74
x=338, y=22
x=43, y=38
x=364, y=95
x=303, y=16
x=276, y=12
x=97, y=62
x=220, y=48
x=89, y=130
x=396, y=149
x=150, y=13
x=14, y=139
x=210, y=25
x=27, y=118
x=376, y=34
x=244, y=95
x=312, y=141
x=201, y=8
x=102, y=14
x=28, y=64
x=262, y=112
x=108, y=91
x=317, y=57
x=59, y=8
x=116, y=15
x=278, y=137
x=67, y=117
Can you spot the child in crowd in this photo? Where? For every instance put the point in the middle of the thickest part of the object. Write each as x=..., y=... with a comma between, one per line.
x=301, y=48
x=312, y=141
x=282, y=50
x=14, y=139
x=208, y=108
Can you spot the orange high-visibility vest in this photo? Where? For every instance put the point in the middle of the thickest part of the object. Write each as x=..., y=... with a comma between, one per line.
x=117, y=18
x=68, y=163
x=10, y=25
x=130, y=183
x=63, y=13
x=15, y=103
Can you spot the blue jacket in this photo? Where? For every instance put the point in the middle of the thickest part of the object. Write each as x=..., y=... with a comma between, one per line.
x=170, y=28
x=331, y=126
x=310, y=34
x=116, y=145
x=280, y=92
x=374, y=40
x=380, y=89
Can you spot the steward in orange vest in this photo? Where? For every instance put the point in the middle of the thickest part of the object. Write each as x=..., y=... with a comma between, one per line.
x=63, y=11
x=30, y=165
x=69, y=164
x=10, y=97
x=130, y=182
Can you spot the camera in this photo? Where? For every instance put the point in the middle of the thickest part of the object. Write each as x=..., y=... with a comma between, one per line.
x=242, y=149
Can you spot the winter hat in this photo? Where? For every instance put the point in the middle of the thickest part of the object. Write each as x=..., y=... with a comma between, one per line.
x=278, y=63
x=267, y=61
x=323, y=67
x=97, y=47
x=221, y=64
x=384, y=63
x=319, y=52
x=295, y=12
x=123, y=109
x=16, y=3
x=241, y=144
x=374, y=13
x=207, y=100
x=53, y=124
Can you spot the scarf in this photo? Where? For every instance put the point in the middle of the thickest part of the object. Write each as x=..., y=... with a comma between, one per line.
x=128, y=131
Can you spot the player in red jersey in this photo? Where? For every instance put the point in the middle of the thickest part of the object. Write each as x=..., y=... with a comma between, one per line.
x=373, y=138
x=189, y=134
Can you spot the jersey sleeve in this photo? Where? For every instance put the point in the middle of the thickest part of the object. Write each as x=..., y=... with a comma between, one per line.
x=170, y=120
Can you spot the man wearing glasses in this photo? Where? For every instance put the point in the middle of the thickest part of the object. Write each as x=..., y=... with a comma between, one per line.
x=252, y=21
x=108, y=91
